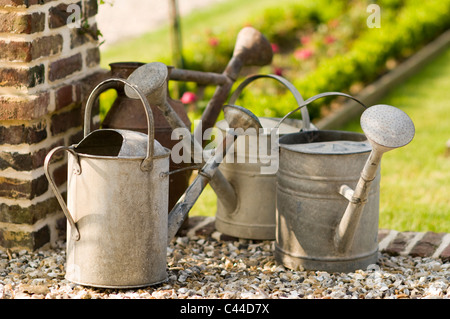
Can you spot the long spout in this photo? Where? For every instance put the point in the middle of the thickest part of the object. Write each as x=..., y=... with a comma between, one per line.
x=192, y=193
x=386, y=128
x=251, y=49
x=357, y=200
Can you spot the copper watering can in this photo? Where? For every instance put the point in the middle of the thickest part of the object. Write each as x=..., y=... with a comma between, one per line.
x=117, y=199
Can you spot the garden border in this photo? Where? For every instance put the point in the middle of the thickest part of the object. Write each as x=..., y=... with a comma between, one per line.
x=374, y=92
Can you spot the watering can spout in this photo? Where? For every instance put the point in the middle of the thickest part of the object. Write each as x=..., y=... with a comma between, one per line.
x=237, y=118
x=152, y=80
x=386, y=128
x=251, y=48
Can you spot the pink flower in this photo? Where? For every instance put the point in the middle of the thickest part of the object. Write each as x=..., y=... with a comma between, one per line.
x=278, y=71
x=213, y=41
x=188, y=97
x=305, y=39
x=275, y=48
x=303, y=54
x=329, y=39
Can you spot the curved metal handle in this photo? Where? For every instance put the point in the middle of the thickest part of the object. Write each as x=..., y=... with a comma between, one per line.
x=75, y=231
x=316, y=97
x=147, y=163
x=290, y=87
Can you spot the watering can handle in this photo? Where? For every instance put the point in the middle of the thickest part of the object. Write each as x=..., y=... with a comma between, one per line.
x=289, y=86
x=75, y=231
x=316, y=97
x=147, y=163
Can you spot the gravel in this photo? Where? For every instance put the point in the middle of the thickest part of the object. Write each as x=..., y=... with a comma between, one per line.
x=203, y=268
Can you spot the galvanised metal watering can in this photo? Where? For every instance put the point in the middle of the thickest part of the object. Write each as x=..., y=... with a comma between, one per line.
x=328, y=191
x=117, y=199
x=251, y=172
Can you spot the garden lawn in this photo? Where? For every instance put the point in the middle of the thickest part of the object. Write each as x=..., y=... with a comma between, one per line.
x=415, y=179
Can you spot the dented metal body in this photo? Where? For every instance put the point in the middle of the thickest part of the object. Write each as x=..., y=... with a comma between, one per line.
x=123, y=235
x=117, y=218
x=313, y=167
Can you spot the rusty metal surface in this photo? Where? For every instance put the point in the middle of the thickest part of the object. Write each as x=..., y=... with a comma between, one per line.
x=251, y=48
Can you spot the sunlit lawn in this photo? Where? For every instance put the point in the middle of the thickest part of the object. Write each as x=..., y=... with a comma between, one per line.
x=415, y=184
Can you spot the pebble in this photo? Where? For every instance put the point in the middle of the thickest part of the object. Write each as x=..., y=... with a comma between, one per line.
x=202, y=267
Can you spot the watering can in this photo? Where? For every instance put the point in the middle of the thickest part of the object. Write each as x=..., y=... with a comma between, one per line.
x=328, y=191
x=251, y=172
x=117, y=199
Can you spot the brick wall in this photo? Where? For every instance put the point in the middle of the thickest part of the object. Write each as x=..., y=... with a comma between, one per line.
x=48, y=66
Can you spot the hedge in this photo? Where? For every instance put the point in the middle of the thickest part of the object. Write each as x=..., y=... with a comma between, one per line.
x=417, y=23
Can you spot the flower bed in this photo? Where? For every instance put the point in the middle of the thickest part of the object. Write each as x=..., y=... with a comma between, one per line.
x=324, y=46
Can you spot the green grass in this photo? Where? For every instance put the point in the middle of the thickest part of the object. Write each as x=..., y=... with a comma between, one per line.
x=415, y=182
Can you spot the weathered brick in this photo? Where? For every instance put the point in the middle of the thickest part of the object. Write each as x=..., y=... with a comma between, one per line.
x=12, y=3
x=22, y=3
x=18, y=134
x=46, y=46
x=64, y=67
x=15, y=51
x=80, y=36
x=64, y=96
x=38, y=157
x=58, y=15
x=61, y=122
x=17, y=161
x=76, y=138
x=445, y=254
x=398, y=245
x=23, y=239
x=427, y=245
x=16, y=214
x=25, y=108
x=26, y=161
x=93, y=57
x=382, y=233
x=90, y=8
x=22, y=77
x=22, y=189
x=22, y=23
x=27, y=51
